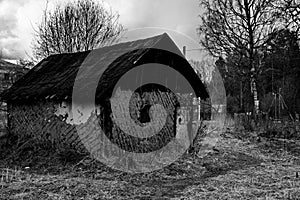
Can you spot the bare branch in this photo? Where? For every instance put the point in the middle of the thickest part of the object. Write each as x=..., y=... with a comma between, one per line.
x=76, y=26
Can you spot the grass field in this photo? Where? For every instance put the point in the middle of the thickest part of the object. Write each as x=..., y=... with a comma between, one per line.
x=240, y=167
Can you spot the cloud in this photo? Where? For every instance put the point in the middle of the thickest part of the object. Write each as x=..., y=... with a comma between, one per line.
x=6, y=27
x=8, y=23
x=180, y=15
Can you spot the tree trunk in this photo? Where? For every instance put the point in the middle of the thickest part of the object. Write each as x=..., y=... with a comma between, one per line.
x=251, y=56
x=254, y=92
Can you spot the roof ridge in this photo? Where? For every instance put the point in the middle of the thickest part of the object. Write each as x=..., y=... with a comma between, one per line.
x=160, y=36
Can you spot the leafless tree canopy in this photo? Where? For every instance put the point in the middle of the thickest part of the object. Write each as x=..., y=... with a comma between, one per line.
x=236, y=25
x=240, y=33
x=289, y=12
x=76, y=26
x=240, y=28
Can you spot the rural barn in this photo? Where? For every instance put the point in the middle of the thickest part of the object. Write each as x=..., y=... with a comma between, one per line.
x=40, y=103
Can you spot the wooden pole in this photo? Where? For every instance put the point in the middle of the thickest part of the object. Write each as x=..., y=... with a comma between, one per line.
x=199, y=109
x=241, y=94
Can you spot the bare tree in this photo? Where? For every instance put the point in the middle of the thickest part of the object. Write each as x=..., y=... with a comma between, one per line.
x=238, y=27
x=289, y=12
x=25, y=63
x=76, y=26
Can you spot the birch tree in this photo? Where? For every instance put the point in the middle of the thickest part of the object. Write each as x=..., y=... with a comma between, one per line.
x=238, y=27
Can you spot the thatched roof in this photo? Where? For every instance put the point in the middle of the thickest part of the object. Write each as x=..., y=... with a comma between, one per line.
x=54, y=76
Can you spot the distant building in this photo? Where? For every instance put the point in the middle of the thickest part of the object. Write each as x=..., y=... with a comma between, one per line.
x=9, y=73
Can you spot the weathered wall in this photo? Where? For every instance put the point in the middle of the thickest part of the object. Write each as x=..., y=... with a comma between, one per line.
x=39, y=120
x=53, y=123
x=3, y=120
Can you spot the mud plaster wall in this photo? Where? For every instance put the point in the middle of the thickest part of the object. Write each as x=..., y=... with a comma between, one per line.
x=52, y=123
x=40, y=121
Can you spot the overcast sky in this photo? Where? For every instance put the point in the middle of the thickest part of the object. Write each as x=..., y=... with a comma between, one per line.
x=19, y=17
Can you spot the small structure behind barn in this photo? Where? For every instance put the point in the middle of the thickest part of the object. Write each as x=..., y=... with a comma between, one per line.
x=9, y=73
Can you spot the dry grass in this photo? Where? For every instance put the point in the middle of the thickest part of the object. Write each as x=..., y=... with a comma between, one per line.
x=240, y=169
x=274, y=178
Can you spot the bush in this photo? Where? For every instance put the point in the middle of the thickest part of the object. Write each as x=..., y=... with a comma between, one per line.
x=285, y=130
